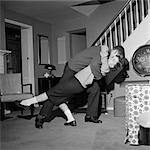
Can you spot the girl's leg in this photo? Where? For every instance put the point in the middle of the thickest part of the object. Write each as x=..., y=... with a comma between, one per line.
x=40, y=98
x=47, y=110
x=67, y=112
x=43, y=97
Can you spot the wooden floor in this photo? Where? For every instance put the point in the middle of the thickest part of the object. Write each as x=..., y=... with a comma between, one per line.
x=20, y=134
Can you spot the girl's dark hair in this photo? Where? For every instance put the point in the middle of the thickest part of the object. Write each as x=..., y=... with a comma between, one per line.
x=121, y=50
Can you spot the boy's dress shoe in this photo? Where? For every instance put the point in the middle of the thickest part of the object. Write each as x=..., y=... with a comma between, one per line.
x=72, y=123
x=39, y=120
x=92, y=119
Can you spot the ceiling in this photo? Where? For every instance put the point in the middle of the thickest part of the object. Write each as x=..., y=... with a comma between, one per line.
x=50, y=11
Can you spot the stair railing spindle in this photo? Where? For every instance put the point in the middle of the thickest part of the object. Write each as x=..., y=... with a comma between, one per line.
x=131, y=16
x=142, y=6
x=116, y=34
x=121, y=32
x=148, y=6
x=100, y=40
x=111, y=42
x=126, y=22
x=137, y=13
x=105, y=37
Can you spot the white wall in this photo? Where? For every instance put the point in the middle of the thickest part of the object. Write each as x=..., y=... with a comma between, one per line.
x=139, y=37
x=78, y=43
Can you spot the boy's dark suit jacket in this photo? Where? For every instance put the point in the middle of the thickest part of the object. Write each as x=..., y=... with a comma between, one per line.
x=117, y=75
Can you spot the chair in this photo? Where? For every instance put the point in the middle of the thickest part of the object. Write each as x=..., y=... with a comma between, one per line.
x=11, y=90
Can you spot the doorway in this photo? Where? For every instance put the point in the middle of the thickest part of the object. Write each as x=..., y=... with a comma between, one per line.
x=26, y=52
x=77, y=41
x=13, y=43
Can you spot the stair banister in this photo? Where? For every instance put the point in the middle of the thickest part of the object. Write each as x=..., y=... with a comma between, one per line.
x=129, y=17
x=111, y=22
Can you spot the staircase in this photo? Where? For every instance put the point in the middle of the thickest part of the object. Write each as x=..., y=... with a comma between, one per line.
x=129, y=28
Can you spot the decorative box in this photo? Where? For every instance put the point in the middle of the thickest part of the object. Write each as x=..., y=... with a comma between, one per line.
x=137, y=102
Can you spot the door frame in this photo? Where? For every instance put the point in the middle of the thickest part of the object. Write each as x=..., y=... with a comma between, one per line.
x=75, y=32
x=27, y=52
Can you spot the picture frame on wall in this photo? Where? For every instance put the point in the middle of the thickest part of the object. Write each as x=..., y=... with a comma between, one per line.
x=141, y=60
x=43, y=50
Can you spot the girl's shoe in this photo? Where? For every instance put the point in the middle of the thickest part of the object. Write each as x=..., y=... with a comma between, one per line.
x=72, y=123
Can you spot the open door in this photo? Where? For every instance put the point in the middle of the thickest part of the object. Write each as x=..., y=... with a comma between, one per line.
x=77, y=41
x=25, y=62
